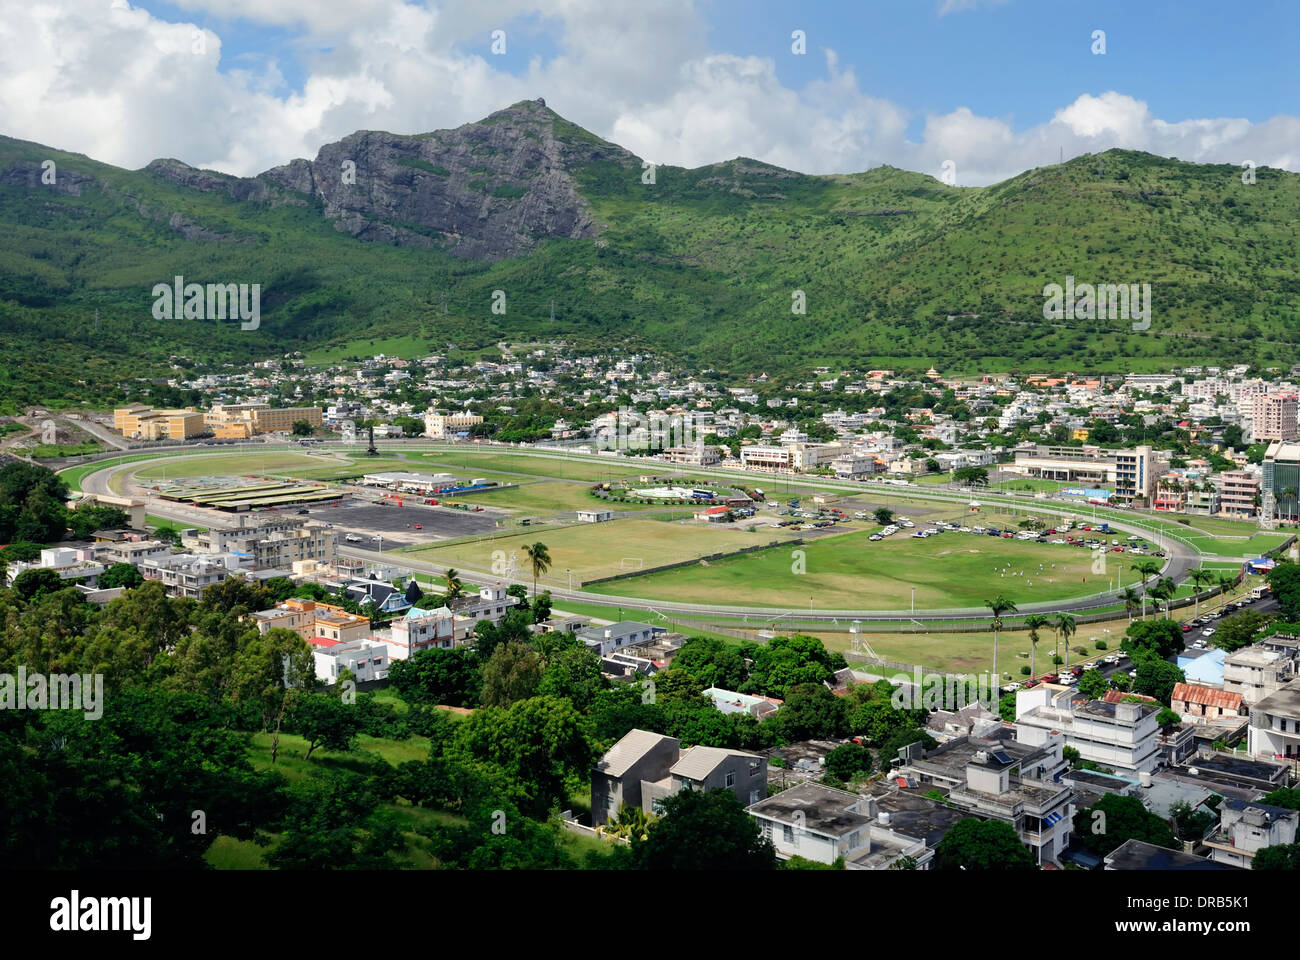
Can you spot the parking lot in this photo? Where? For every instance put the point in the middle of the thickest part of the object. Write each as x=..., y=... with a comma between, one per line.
x=397, y=524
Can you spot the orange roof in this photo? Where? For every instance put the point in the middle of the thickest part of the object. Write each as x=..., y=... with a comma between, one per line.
x=1193, y=693
x=1117, y=696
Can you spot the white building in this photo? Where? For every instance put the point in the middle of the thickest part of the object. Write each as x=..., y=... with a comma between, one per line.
x=595, y=516
x=367, y=659
x=418, y=631
x=1122, y=736
x=1274, y=731
x=1246, y=827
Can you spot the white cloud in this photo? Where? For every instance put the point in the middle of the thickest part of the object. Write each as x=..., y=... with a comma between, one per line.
x=124, y=86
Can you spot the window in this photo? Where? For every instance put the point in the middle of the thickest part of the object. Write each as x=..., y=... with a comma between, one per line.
x=787, y=833
x=755, y=796
x=731, y=778
x=754, y=767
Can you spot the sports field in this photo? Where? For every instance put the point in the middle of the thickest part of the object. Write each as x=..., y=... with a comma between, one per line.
x=593, y=550
x=850, y=572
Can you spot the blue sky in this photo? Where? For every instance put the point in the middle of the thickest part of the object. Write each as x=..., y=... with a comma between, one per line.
x=994, y=86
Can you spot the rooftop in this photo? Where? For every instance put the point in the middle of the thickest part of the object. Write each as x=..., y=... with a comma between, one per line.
x=1137, y=855
x=825, y=810
x=634, y=745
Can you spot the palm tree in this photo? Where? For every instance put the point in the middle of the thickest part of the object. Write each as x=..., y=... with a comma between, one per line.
x=1033, y=623
x=1147, y=569
x=1132, y=600
x=999, y=605
x=454, y=586
x=1164, y=589
x=1065, y=625
x=1225, y=582
x=1200, y=576
x=539, y=560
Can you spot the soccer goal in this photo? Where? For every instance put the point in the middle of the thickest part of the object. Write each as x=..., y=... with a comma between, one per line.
x=632, y=563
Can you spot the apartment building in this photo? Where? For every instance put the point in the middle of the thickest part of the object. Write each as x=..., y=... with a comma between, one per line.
x=1274, y=731
x=314, y=621
x=1257, y=671
x=140, y=422
x=189, y=574
x=701, y=455
x=440, y=426
x=419, y=630
x=134, y=551
x=1005, y=779
x=1135, y=473
x=1239, y=491
x=270, y=544
x=70, y=563
x=1274, y=416
x=1121, y=736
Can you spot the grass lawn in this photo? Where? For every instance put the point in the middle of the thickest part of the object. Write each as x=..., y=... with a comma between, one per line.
x=230, y=465
x=596, y=549
x=151, y=521
x=847, y=572
x=553, y=496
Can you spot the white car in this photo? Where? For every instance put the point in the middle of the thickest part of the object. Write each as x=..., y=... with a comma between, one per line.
x=1058, y=540
x=1067, y=680
x=964, y=529
x=352, y=538
x=875, y=536
x=1207, y=632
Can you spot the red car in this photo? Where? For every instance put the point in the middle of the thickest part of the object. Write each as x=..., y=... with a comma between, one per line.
x=1050, y=678
x=1187, y=628
x=1077, y=671
x=419, y=527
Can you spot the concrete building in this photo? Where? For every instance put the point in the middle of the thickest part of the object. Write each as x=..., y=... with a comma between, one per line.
x=1248, y=826
x=1258, y=670
x=1274, y=416
x=595, y=516
x=70, y=563
x=1238, y=492
x=268, y=544
x=367, y=659
x=235, y=420
x=140, y=422
x=189, y=574
x=1280, y=477
x=1133, y=472
x=1121, y=736
x=1274, y=731
x=700, y=455
x=644, y=767
x=418, y=631
x=613, y=637
x=314, y=621
x=441, y=426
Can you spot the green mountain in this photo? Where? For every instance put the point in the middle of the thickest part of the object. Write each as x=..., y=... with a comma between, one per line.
x=384, y=236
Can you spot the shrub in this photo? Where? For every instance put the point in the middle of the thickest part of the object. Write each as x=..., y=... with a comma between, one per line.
x=1024, y=671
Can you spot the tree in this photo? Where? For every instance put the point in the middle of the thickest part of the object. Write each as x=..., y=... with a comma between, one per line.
x=89, y=517
x=1162, y=638
x=888, y=752
x=1132, y=601
x=877, y=720
x=1156, y=678
x=455, y=588
x=1064, y=629
x=31, y=584
x=449, y=677
x=538, y=559
x=541, y=609
x=1167, y=719
x=1163, y=590
x=847, y=762
x=704, y=830
x=120, y=575
x=974, y=844
x=1146, y=569
x=998, y=605
x=1033, y=623
x=713, y=662
x=1201, y=577
x=785, y=661
x=883, y=515
x=1286, y=797
x=1007, y=707
x=232, y=592
x=1283, y=856
x=1092, y=684
x=1239, y=630
x=301, y=428
x=511, y=674
x=324, y=721
x=1121, y=819
x=811, y=712
x=1284, y=580
x=1190, y=823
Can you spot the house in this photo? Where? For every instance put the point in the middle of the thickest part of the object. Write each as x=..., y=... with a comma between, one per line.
x=1258, y=670
x=1246, y=827
x=70, y=563
x=644, y=767
x=821, y=823
x=189, y=574
x=713, y=514
x=595, y=516
x=491, y=604
x=615, y=636
x=367, y=659
x=377, y=596
x=1198, y=704
x=313, y=620
x=417, y=631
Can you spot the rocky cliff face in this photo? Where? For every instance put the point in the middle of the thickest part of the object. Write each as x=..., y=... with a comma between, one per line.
x=485, y=191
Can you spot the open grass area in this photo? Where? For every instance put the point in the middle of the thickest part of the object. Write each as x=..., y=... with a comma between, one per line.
x=554, y=496
x=230, y=464
x=593, y=550
x=850, y=572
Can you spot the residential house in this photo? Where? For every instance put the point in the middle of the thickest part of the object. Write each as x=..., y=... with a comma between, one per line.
x=1119, y=735
x=1248, y=826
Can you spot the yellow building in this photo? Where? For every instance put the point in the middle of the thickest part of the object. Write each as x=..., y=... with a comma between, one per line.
x=1080, y=433
x=145, y=423
x=242, y=420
